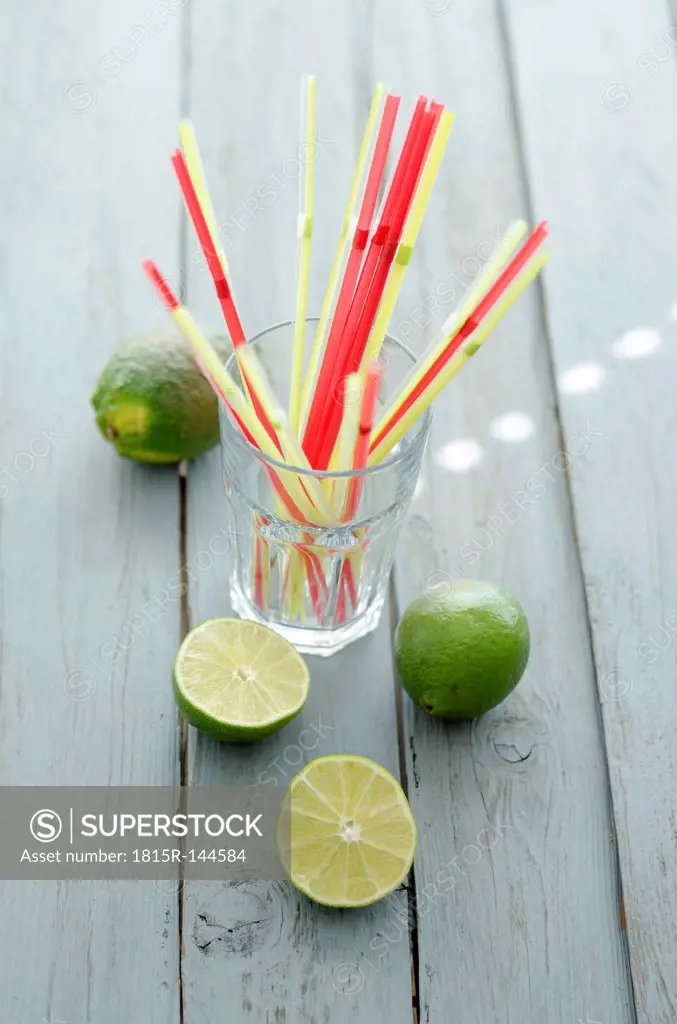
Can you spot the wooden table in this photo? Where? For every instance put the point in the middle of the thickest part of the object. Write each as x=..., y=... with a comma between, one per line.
x=544, y=885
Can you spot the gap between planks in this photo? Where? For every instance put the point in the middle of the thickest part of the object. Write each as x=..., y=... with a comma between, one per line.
x=185, y=62
x=393, y=612
x=182, y=724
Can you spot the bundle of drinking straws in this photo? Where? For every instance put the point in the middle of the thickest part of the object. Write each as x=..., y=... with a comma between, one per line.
x=331, y=422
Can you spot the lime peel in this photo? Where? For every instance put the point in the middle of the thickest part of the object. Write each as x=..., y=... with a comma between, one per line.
x=461, y=648
x=152, y=402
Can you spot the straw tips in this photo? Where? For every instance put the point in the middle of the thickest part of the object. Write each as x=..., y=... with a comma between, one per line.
x=161, y=287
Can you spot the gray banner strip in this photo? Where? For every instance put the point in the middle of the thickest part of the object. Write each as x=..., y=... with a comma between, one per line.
x=136, y=832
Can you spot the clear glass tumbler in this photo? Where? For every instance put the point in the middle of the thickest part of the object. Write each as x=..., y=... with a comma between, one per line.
x=321, y=585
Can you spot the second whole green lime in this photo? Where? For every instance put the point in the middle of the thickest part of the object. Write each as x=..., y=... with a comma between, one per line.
x=461, y=648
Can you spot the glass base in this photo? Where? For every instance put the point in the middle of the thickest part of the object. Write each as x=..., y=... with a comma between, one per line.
x=312, y=639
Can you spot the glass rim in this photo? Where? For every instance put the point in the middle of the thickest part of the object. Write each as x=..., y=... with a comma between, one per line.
x=421, y=427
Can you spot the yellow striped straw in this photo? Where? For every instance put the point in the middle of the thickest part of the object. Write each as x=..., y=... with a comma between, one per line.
x=291, y=447
x=342, y=458
x=191, y=152
x=231, y=393
x=481, y=285
x=409, y=236
x=458, y=361
x=342, y=249
x=514, y=235
x=305, y=232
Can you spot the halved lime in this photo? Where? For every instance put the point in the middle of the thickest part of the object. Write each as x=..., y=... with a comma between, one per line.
x=349, y=830
x=238, y=680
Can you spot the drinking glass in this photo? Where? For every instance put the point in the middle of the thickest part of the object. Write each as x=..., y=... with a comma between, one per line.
x=322, y=585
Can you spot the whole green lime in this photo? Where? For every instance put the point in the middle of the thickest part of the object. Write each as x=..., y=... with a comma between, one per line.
x=462, y=648
x=151, y=401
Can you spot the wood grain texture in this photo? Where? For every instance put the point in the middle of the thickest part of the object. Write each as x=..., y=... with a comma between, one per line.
x=261, y=950
x=516, y=884
x=517, y=894
x=85, y=539
x=611, y=193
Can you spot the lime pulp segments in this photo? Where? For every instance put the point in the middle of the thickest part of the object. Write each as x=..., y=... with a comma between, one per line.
x=351, y=833
x=239, y=681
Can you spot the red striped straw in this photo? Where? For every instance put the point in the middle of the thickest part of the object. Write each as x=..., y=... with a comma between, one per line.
x=376, y=268
x=411, y=176
x=295, y=512
x=470, y=325
x=329, y=415
x=221, y=285
x=315, y=573
x=367, y=210
x=326, y=377
x=436, y=109
x=340, y=613
x=163, y=290
x=312, y=569
x=361, y=454
x=349, y=580
x=367, y=413
x=258, y=575
x=223, y=291
x=172, y=303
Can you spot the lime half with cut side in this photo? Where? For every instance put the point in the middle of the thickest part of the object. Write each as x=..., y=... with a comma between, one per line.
x=347, y=835
x=239, y=681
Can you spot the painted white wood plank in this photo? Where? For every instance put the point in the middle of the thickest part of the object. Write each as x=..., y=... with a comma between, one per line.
x=597, y=89
x=517, y=894
x=261, y=950
x=90, y=101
